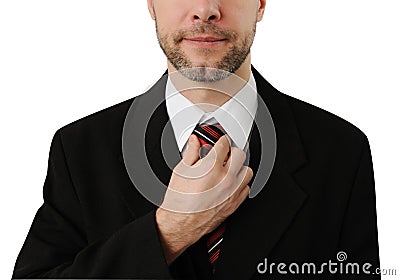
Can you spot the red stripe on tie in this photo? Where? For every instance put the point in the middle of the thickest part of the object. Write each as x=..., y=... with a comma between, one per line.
x=216, y=234
x=211, y=132
x=215, y=256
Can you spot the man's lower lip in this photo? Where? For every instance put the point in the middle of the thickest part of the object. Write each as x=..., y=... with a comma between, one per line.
x=205, y=43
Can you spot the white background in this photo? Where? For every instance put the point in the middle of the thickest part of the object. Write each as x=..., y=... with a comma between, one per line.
x=63, y=60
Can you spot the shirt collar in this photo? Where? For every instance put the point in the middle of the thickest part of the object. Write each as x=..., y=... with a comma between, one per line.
x=236, y=115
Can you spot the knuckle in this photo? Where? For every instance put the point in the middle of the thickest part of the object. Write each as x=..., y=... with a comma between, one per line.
x=238, y=154
x=239, y=151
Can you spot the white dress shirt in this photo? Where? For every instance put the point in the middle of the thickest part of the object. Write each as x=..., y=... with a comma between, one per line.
x=236, y=116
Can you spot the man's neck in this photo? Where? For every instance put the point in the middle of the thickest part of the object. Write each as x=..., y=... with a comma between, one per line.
x=208, y=96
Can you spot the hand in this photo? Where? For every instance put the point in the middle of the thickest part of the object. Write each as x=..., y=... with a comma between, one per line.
x=201, y=194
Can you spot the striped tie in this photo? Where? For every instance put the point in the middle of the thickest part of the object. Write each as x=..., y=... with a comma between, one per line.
x=208, y=135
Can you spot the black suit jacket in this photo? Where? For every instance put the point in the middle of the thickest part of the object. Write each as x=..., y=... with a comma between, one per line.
x=318, y=201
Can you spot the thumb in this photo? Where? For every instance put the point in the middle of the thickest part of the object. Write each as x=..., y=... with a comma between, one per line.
x=191, y=154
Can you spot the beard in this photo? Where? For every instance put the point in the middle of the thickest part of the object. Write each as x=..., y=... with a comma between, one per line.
x=208, y=71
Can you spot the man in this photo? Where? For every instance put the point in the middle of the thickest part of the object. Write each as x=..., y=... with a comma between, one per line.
x=97, y=221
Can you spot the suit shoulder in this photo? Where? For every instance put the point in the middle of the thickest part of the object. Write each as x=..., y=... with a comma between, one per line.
x=107, y=120
x=322, y=124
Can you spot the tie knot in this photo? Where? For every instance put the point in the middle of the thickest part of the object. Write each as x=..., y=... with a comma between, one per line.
x=208, y=135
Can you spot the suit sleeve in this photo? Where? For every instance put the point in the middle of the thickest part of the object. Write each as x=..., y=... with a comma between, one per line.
x=359, y=234
x=56, y=245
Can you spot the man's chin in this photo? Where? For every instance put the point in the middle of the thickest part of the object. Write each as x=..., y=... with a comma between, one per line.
x=204, y=74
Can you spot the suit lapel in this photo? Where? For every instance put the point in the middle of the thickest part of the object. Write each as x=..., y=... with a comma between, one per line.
x=256, y=227
x=161, y=147
x=147, y=162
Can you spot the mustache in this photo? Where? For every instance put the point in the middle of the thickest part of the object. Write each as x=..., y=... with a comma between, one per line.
x=209, y=29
